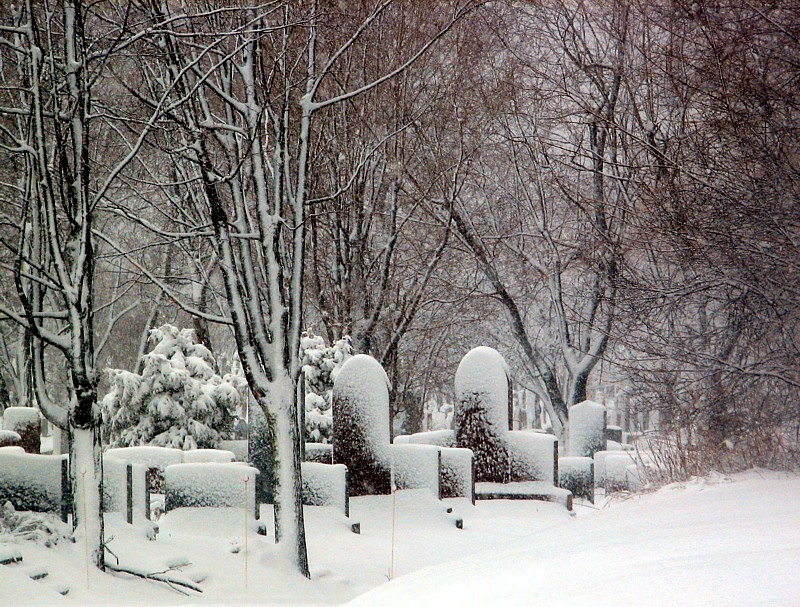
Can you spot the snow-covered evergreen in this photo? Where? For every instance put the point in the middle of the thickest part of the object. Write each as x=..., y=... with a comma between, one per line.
x=178, y=401
x=321, y=364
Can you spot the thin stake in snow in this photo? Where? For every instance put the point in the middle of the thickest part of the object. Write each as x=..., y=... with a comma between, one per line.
x=246, y=550
x=85, y=526
x=394, y=518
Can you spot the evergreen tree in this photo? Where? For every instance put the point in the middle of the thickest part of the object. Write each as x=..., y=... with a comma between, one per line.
x=178, y=401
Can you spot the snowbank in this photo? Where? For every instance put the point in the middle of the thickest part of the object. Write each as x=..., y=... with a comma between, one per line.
x=716, y=544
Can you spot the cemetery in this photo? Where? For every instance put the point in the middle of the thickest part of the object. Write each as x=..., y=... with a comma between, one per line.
x=439, y=483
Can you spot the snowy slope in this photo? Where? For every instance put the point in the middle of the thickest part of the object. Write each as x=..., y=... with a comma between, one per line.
x=706, y=543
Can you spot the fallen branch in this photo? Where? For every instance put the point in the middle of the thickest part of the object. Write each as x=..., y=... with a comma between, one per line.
x=159, y=576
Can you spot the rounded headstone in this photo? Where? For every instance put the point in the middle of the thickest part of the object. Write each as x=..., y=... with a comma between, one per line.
x=361, y=435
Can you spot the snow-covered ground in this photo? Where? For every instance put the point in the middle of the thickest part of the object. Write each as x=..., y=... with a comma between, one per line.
x=712, y=542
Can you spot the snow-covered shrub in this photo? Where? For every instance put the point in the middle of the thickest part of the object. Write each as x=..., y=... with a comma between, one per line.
x=616, y=470
x=481, y=417
x=321, y=364
x=361, y=425
x=587, y=429
x=442, y=438
x=115, y=485
x=178, y=400
x=417, y=467
x=532, y=456
x=577, y=475
x=457, y=480
x=30, y=482
x=26, y=422
x=211, y=485
x=9, y=438
x=44, y=529
x=319, y=452
x=325, y=485
x=200, y=456
x=150, y=457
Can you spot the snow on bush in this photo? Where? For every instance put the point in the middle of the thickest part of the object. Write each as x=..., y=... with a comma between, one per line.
x=199, y=456
x=319, y=452
x=9, y=438
x=321, y=364
x=178, y=400
x=325, y=485
x=577, y=475
x=532, y=456
x=211, y=485
x=481, y=417
x=587, y=429
x=616, y=470
x=44, y=529
x=417, y=467
x=30, y=482
x=115, y=485
x=361, y=425
x=237, y=447
x=456, y=477
x=27, y=423
x=442, y=438
x=150, y=457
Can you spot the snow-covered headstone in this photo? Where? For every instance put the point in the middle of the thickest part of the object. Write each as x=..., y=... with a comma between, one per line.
x=31, y=481
x=361, y=425
x=457, y=478
x=616, y=470
x=482, y=412
x=26, y=422
x=115, y=485
x=587, y=429
x=319, y=452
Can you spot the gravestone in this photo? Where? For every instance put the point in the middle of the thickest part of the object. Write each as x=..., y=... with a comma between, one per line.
x=587, y=429
x=482, y=417
x=361, y=425
x=26, y=422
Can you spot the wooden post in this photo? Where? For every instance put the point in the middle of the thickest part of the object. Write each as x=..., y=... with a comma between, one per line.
x=440, y=490
x=472, y=460
x=129, y=493
x=347, y=493
x=66, y=501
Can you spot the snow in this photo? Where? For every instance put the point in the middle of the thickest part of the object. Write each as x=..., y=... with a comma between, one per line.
x=219, y=456
x=152, y=457
x=209, y=484
x=20, y=417
x=712, y=542
x=484, y=373
x=532, y=455
x=457, y=478
x=616, y=470
x=237, y=447
x=587, y=429
x=443, y=438
x=363, y=383
x=416, y=467
x=115, y=486
x=325, y=485
x=703, y=543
